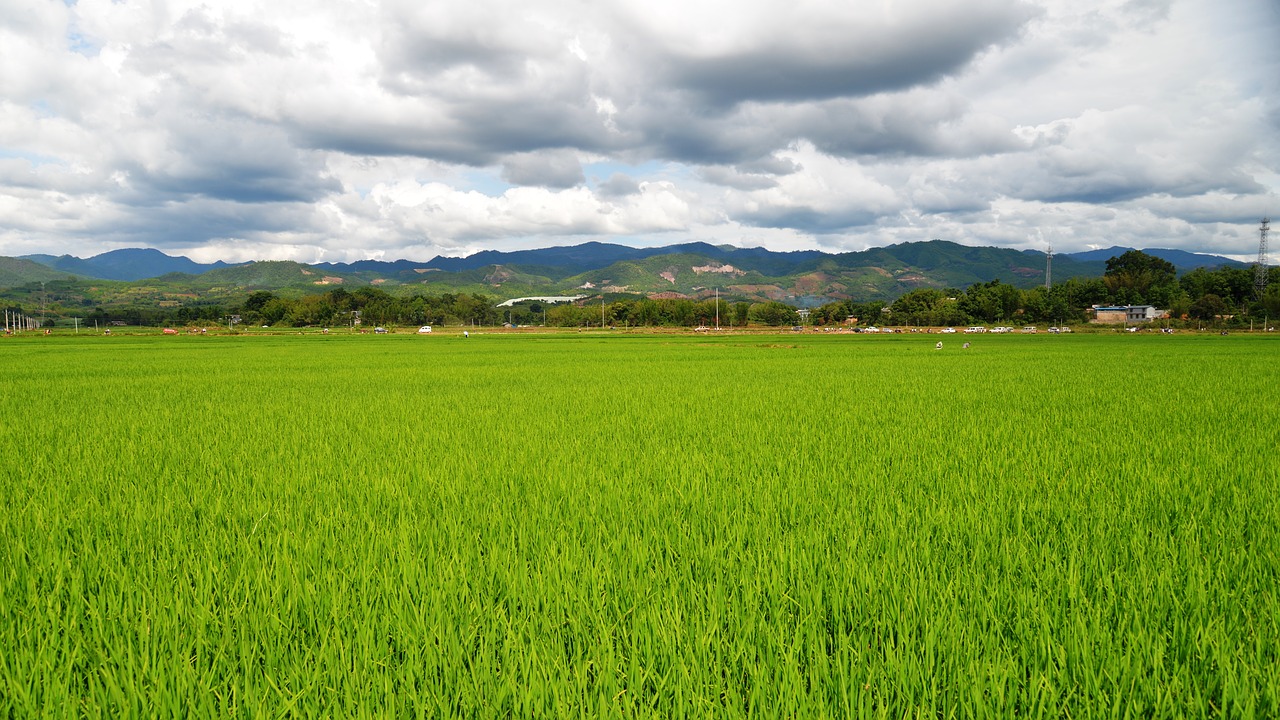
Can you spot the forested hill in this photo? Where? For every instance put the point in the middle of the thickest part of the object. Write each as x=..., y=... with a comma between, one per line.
x=809, y=277
x=127, y=264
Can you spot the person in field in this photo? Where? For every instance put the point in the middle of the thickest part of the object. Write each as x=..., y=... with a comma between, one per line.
x=938, y=346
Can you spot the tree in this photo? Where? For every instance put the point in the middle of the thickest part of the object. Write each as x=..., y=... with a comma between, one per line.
x=918, y=307
x=832, y=313
x=257, y=300
x=1136, y=277
x=989, y=302
x=1208, y=307
x=774, y=313
x=1271, y=301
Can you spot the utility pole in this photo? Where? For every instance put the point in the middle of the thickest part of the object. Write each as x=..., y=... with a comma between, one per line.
x=1260, y=270
x=717, y=308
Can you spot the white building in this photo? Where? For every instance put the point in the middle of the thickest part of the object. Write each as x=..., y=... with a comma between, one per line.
x=1126, y=313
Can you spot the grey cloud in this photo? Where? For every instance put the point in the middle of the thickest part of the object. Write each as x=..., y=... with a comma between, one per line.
x=476, y=134
x=1226, y=208
x=772, y=165
x=870, y=60
x=428, y=38
x=734, y=178
x=196, y=221
x=810, y=219
x=668, y=127
x=436, y=117
x=906, y=124
x=544, y=169
x=895, y=125
x=1103, y=179
x=1147, y=13
x=223, y=158
x=618, y=185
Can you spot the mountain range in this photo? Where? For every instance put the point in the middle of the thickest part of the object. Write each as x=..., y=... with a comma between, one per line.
x=693, y=269
x=127, y=264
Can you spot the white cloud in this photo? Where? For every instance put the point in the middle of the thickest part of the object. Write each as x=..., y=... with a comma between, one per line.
x=314, y=130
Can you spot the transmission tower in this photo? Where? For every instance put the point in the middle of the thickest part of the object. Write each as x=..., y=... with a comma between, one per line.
x=1260, y=270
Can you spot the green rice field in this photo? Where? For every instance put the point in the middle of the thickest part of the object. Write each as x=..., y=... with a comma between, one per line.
x=638, y=525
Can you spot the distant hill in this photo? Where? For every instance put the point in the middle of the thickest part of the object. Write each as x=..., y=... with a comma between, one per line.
x=573, y=259
x=15, y=272
x=595, y=255
x=952, y=265
x=1181, y=259
x=263, y=275
x=810, y=277
x=694, y=269
x=128, y=264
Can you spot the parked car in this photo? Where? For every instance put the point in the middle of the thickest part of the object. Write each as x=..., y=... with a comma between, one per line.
x=425, y=329
x=948, y=330
x=380, y=330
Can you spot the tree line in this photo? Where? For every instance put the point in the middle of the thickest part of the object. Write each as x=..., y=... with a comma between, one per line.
x=1225, y=295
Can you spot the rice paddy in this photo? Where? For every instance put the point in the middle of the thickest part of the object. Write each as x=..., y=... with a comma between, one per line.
x=640, y=525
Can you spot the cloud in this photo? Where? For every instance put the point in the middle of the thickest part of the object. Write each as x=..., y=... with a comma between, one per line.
x=407, y=129
x=552, y=169
x=824, y=54
x=618, y=185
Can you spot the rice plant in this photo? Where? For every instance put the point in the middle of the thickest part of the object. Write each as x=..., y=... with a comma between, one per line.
x=639, y=525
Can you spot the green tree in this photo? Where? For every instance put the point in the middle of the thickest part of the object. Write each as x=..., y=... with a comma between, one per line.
x=256, y=301
x=1208, y=307
x=1138, y=278
x=832, y=313
x=774, y=313
x=919, y=307
x=989, y=302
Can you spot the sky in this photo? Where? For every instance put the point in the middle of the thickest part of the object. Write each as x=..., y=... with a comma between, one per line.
x=342, y=130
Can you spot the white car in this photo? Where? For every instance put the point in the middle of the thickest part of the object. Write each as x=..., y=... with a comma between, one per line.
x=424, y=330
x=948, y=330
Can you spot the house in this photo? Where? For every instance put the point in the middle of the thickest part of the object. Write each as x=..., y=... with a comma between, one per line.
x=1126, y=313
